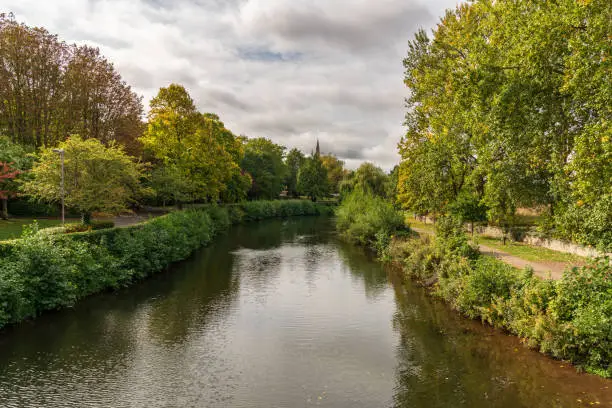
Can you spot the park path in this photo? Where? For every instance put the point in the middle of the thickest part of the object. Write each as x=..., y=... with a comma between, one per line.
x=545, y=270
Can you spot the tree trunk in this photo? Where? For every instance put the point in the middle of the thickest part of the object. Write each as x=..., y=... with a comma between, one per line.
x=472, y=228
x=86, y=218
x=4, y=211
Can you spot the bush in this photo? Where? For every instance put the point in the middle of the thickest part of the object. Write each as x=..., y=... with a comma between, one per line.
x=363, y=218
x=45, y=271
x=587, y=224
x=570, y=319
x=79, y=227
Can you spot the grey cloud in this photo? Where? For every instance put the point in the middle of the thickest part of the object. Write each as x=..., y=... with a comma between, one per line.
x=215, y=97
x=355, y=26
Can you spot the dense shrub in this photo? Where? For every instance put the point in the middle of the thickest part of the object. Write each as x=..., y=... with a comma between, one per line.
x=366, y=219
x=587, y=224
x=79, y=227
x=45, y=271
x=569, y=319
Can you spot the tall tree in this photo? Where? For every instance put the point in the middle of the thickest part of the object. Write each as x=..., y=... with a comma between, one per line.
x=510, y=101
x=49, y=89
x=263, y=160
x=335, y=171
x=32, y=62
x=312, y=178
x=194, y=148
x=294, y=161
x=97, y=103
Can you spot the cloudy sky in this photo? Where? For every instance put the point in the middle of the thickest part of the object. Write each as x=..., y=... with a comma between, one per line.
x=290, y=70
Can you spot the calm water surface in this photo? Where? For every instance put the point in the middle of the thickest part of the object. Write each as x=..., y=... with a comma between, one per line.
x=277, y=314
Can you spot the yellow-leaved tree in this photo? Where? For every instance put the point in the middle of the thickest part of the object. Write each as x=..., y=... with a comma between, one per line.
x=194, y=153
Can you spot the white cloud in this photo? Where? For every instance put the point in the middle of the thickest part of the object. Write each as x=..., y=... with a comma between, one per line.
x=291, y=71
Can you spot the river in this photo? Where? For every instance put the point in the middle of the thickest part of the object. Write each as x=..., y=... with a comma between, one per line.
x=277, y=314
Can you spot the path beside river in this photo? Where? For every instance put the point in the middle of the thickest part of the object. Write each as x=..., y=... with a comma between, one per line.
x=546, y=270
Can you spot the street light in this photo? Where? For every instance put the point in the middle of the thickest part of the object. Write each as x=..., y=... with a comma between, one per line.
x=61, y=153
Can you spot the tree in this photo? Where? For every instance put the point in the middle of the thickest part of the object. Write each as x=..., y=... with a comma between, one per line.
x=511, y=100
x=370, y=179
x=294, y=161
x=194, y=149
x=7, y=174
x=13, y=162
x=97, y=102
x=335, y=171
x=263, y=160
x=468, y=208
x=312, y=178
x=50, y=89
x=32, y=62
x=96, y=177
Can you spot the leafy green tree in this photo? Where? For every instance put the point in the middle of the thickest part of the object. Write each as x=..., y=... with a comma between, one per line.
x=197, y=149
x=312, y=178
x=511, y=100
x=468, y=208
x=370, y=179
x=97, y=178
x=294, y=161
x=335, y=171
x=50, y=89
x=263, y=160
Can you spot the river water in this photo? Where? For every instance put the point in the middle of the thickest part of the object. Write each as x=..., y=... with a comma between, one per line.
x=277, y=314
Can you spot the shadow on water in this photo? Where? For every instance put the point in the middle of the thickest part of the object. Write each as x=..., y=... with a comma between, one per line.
x=362, y=265
x=446, y=360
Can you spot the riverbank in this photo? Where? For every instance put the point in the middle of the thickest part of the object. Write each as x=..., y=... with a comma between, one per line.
x=46, y=271
x=569, y=319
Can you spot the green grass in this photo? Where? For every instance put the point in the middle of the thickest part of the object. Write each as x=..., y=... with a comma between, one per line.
x=13, y=227
x=530, y=253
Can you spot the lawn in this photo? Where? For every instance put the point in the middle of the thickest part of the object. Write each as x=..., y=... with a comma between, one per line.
x=13, y=227
x=530, y=253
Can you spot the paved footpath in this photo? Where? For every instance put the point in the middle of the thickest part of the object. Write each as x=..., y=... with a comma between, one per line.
x=546, y=270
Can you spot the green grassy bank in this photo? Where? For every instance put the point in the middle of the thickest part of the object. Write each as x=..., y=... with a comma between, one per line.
x=46, y=270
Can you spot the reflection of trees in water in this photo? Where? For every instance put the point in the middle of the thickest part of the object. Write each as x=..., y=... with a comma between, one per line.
x=201, y=289
x=362, y=266
x=272, y=233
x=445, y=360
x=106, y=328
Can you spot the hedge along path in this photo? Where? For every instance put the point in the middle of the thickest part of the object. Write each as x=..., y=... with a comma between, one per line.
x=50, y=270
x=545, y=270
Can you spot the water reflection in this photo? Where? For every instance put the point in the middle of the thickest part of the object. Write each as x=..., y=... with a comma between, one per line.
x=445, y=360
x=278, y=313
x=362, y=265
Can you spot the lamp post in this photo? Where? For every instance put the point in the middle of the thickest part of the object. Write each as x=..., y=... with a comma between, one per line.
x=61, y=153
